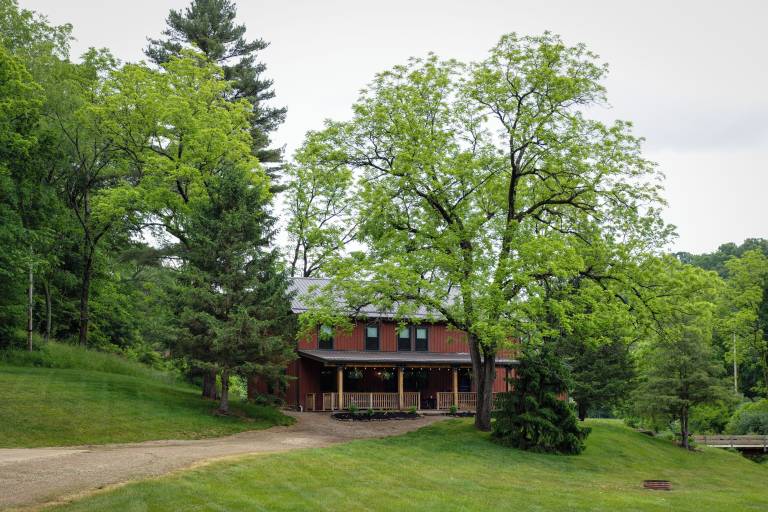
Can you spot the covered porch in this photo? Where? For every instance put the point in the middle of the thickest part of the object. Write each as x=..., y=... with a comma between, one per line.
x=393, y=380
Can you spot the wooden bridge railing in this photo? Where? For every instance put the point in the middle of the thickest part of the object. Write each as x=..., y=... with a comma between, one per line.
x=726, y=441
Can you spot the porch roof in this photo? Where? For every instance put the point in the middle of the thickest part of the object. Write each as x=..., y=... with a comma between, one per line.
x=336, y=357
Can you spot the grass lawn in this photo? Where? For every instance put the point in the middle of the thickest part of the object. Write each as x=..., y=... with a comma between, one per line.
x=449, y=466
x=70, y=406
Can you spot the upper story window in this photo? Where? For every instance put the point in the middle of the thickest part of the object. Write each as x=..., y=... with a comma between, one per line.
x=421, y=339
x=404, y=339
x=325, y=337
x=372, y=337
x=413, y=338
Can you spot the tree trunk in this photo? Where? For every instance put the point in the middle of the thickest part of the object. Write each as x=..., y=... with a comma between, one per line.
x=48, y=312
x=209, y=384
x=224, y=402
x=582, y=411
x=484, y=373
x=30, y=307
x=684, y=428
x=84, y=296
x=252, y=383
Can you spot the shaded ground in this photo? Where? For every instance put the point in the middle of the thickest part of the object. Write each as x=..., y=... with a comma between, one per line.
x=36, y=476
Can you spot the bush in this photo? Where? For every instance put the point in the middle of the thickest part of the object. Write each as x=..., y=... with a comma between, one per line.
x=750, y=418
x=536, y=417
x=710, y=419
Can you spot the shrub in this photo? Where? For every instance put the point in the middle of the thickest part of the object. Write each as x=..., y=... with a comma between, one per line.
x=352, y=408
x=750, y=418
x=535, y=417
x=412, y=409
x=453, y=409
x=710, y=419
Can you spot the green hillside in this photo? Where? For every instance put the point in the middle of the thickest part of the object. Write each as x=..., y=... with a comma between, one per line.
x=68, y=396
x=449, y=466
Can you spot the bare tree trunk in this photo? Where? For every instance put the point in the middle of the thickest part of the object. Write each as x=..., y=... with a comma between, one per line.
x=224, y=402
x=48, y=312
x=30, y=307
x=483, y=374
x=85, y=289
x=209, y=384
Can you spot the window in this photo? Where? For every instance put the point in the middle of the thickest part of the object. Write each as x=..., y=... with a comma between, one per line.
x=404, y=339
x=372, y=337
x=325, y=337
x=421, y=342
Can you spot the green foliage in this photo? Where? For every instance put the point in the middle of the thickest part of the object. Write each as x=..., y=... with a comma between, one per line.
x=481, y=185
x=352, y=408
x=678, y=371
x=537, y=416
x=319, y=203
x=711, y=418
x=749, y=418
x=453, y=409
x=209, y=26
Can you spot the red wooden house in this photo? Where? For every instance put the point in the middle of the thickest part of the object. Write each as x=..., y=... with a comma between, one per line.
x=383, y=364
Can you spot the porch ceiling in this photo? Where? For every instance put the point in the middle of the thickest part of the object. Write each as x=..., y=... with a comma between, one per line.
x=351, y=357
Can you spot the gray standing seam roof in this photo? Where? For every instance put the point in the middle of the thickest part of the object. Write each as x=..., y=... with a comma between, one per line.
x=307, y=287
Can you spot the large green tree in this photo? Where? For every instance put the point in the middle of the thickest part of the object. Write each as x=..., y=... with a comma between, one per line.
x=209, y=25
x=208, y=198
x=677, y=367
x=319, y=204
x=480, y=182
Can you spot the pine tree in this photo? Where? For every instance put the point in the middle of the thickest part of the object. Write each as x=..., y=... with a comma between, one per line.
x=210, y=26
x=236, y=305
x=535, y=416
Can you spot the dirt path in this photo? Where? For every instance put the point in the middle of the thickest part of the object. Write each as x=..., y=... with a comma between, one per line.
x=31, y=477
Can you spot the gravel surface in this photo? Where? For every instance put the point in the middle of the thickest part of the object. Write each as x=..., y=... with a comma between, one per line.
x=32, y=477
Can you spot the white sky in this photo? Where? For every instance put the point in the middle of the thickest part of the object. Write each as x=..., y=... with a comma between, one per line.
x=691, y=75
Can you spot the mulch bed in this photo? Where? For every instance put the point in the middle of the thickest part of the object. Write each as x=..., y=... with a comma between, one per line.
x=461, y=414
x=376, y=416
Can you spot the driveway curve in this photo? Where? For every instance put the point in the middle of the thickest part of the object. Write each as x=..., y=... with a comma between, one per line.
x=33, y=477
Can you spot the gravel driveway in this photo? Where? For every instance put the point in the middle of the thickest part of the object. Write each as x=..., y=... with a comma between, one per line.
x=31, y=477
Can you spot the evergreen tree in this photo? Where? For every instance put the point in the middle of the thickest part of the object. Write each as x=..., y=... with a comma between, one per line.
x=235, y=313
x=536, y=416
x=210, y=26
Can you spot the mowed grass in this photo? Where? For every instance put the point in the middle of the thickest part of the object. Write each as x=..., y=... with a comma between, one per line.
x=449, y=467
x=74, y=406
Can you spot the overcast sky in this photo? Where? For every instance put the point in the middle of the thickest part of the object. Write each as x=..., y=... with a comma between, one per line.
x=692, y=76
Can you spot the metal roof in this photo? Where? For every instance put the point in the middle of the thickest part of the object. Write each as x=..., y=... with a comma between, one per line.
x=309, y=287
x=394, y=358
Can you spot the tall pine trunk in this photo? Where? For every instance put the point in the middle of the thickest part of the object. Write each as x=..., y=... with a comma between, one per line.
x=684, y=428
x=224, y=402
x=30, y=307
x=582, y=411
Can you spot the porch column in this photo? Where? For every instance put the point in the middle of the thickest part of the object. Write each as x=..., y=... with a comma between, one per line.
x=400, y=397
x=340, y=385
x=455, y=375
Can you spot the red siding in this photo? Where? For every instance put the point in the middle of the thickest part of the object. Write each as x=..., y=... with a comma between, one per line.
x=443, y=339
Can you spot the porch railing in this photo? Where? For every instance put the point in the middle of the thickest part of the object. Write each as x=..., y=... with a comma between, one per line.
x=467, y=400
x=376, y=401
